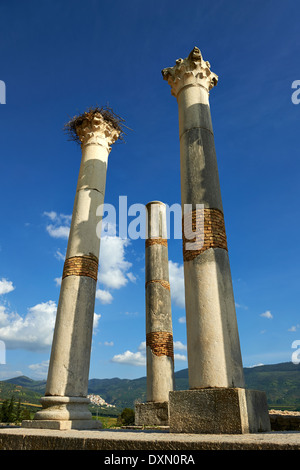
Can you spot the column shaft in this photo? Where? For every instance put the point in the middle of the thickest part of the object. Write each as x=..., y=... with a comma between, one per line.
x=159, y=333
x=65, y=404
x=214, y=357
x=70, y=357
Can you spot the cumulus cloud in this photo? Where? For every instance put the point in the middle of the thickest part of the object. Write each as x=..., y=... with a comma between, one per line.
x=139, y=358
x=130, y=358
x=178, y=345
x=177, y=283
x=39, y=371
x=57, y=281
x=60, y=226
x=267, y=314
x=32, y=332
x=294, y=328
x=179, y=357
x=96, y=320
x=104, y=296
x=114, y=268
x=6, y=286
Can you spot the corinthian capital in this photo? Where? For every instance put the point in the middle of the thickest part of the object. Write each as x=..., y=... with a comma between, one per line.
x=95, y=130
x=190, y=71
x=96, y=126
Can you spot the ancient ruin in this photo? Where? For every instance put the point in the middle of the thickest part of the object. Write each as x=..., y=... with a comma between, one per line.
x=65, y=404
x=159, y=333
x=217, y=401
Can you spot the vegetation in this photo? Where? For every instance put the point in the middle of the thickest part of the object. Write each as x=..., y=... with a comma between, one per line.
x=12, y=412
x=126, y=418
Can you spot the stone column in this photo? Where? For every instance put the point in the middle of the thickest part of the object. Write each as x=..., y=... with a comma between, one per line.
x=214, y=356
x=65, y=404
x=159, y=333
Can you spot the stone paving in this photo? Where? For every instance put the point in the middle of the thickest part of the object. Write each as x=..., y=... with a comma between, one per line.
x=129, y=440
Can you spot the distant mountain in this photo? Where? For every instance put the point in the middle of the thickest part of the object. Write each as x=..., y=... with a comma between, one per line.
x=23, y=381
x=281, y=382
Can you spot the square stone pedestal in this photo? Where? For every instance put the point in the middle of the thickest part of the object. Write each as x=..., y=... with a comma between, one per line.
x=152, y=414
x=62, y=424
x=218, y=411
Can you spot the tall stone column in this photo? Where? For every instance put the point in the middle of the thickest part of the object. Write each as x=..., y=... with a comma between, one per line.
x=214, y=356
x=65, y=404
x=159, y=332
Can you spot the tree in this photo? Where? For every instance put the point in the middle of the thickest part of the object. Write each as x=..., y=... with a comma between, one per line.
x=126, y=418
x=10, y=410
x=4, y=411
x=18, y=415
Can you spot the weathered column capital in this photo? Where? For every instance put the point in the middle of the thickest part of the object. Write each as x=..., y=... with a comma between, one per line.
x=97, y=130
x=192, y=71
x=97, y=126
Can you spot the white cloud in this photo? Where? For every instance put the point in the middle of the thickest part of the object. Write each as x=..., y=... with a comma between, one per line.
x=96, y=320
x=130, y=358
x=267, y=314
x=104, y=296
x=132, y=314
x=32, y=332
x=60, y=227
x=7, y=373
x=139, y=358
x=178, y=345
x=40, y=370
x=6, y=286
x=59, y=255
x=142, y=347
x=113, y=266
x=58, y=232
x=179, y=357
x=244, y=307
x=52, y=215
x=131, y=277
x=108, y=343
x=294, y=328
x=181, y=320
x=176, y=278
x=57, y=281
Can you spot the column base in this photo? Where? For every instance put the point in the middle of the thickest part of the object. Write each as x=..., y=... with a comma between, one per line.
x=152, y=414
x=62, y=425
x=218, y=411
x=63, y=413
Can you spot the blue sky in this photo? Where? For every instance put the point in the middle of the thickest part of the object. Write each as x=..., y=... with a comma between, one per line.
x=57, y=59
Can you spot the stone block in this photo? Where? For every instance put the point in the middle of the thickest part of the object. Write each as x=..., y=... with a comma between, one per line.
x=62, y=425
x=152, y=414
x=218, y=411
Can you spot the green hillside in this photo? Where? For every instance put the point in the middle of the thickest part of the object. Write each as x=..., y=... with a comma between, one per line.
x=281, y=382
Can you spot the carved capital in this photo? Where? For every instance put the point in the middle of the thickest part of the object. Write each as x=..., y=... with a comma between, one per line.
x=193, y=70
x=97, y=130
